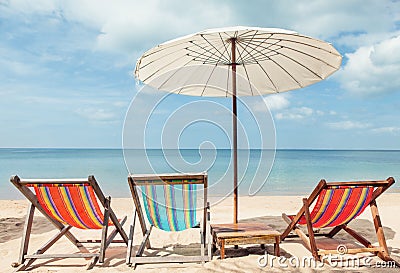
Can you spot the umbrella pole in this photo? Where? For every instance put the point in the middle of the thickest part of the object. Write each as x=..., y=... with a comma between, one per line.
x=234, y=129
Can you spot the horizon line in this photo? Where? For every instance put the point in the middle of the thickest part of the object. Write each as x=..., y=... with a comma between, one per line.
x=152, y=148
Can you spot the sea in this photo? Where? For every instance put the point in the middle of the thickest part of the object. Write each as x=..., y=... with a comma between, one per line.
x=261, y=172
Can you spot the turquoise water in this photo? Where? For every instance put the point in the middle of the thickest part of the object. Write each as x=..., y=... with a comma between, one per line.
x=293, y=172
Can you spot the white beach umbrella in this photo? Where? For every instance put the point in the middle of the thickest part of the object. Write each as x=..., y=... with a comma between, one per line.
x=269, y=60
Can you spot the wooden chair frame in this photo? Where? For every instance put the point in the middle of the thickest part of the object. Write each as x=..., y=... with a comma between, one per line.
x=25, y=259
x=138, y=180
x=310, y=242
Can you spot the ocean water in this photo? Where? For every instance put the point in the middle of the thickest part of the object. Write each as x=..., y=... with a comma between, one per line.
x=293, y=172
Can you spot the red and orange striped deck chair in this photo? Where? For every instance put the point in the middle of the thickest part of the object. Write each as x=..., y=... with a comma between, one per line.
x=337, y=204
x=68, y=203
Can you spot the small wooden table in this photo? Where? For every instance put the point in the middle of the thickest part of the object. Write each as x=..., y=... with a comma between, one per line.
x=243, y=234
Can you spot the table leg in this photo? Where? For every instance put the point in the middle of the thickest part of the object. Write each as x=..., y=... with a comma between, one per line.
x=222, y=249
x=276, y=247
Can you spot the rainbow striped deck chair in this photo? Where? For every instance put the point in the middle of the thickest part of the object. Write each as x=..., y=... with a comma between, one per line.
x=336, y=204
x=68, y=203
x=169, y=202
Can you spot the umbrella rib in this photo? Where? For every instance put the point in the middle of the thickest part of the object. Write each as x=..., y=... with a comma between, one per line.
x=158, y=70
x=180, y=90
x=244, y=48
x=244, y=34
x=247, y=75
x=162, y=56
x=296, y=50
x=221, y=53
x=304, y=43
x=254, y=56
x=209, y=77
x=160, y=48
x=300, y=64
x=287, y=72
x=163, y=47
x=248, y=53
x=225, y=46
x=204, y=48
x=266, y=74
x=245, y=70
x=173, y=74
x=211, y=57
x=202, y=56
x=259, y=53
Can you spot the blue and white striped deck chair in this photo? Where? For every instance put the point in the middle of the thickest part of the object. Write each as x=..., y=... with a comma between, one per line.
x=169, y=202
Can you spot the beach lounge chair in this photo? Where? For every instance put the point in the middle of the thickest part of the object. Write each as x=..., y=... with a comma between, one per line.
x=336, y=205
x=68, y=203
x=170, y=204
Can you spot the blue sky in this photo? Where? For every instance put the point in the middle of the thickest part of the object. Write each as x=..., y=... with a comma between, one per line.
x=66, y=69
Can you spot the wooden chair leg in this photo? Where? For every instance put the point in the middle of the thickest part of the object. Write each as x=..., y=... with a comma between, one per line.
x=313, y=245
x=92, y=262
x=202, y=248
x=144, y=242
x=379, y=229
x=334, y=231
x=130, y=240
x=357, y=236
x=291, y=226
x=209, y=237
x=209, y=247
x=45, y=247
x=142, y=246
x=105, y=230
x=27, y=234
x=114, y=233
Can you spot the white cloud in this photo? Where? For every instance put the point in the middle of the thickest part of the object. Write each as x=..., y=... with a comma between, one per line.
x=121, y=104
x=348, y=125
x=132, y=26
x=38, y=6
x=274, y=102
x=125, y=26
x=373, y=69
x=386, y=130
x=141, y=24
x=96, y=114
x=295, y=113
x=325, y=19
x=333, y=113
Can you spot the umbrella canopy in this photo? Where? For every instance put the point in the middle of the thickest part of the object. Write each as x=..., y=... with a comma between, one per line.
x=269, y=60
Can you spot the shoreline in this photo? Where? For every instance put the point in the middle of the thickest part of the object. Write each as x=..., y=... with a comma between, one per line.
x=392, y=191
x=213, y=196
x=120, y=148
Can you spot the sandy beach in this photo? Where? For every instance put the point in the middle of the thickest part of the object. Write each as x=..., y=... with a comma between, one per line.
x=265, y=209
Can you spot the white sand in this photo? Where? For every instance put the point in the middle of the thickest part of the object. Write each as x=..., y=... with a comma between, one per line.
x=259, y=208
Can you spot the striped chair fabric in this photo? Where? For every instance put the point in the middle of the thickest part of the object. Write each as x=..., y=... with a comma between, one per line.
x=339, y=205
x=71, y=204
x=170, y=207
